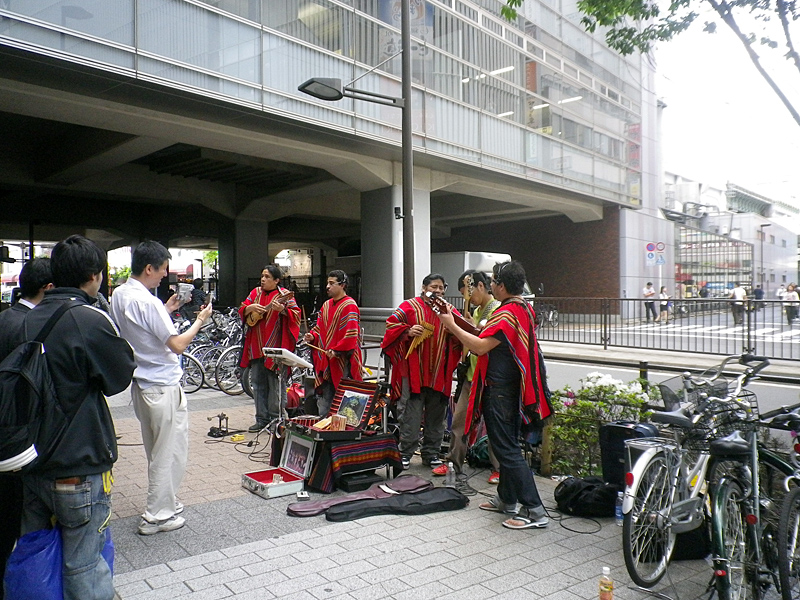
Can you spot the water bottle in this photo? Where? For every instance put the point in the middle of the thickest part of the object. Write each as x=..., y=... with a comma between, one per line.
x=606, y=585
x=618, y=510
x=450, y=477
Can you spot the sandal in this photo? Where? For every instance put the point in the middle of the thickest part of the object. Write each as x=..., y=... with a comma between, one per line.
x=494, y=505
x=526, y=521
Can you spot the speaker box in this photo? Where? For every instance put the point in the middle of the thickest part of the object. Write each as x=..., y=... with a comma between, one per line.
x=612, y=447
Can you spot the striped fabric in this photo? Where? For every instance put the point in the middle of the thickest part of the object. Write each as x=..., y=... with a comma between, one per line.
x=339, y=329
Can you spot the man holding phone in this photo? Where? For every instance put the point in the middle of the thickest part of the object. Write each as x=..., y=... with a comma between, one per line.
x=158, y=399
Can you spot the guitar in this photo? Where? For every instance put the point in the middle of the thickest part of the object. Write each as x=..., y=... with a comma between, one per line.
x=469, y=287
x=283, y=297
x=438, y=305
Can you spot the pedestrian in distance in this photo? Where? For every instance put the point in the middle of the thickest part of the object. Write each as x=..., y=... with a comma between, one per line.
x=649, y=294
x=663, y=305
x=738, y=297
x=758, y=294
x=791, y=303
x=88, y=361
x=158, y=399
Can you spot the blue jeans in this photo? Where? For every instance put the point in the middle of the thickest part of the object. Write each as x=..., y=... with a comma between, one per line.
x=503, y=422
x=269, y=392
x=83, y=510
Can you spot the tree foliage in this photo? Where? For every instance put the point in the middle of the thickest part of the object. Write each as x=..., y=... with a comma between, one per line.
x=632, y=25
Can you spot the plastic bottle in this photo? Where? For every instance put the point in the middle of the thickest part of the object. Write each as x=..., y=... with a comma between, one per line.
x=450, y=477
x=606, y=585
x=618, y=510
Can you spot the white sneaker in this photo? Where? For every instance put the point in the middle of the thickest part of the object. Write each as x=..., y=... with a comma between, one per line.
x=171, y=524
x=178, y=507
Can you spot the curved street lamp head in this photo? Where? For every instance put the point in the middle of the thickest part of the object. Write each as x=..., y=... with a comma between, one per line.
x=324, y=88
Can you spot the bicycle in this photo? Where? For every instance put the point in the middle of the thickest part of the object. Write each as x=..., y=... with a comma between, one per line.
x=667, y=482
x=193, y=376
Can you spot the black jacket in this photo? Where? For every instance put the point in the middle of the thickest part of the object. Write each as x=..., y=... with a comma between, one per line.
x=87, y=359
x=11, y=321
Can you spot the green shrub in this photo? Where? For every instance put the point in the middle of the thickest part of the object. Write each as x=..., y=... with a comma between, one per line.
x=574, y=434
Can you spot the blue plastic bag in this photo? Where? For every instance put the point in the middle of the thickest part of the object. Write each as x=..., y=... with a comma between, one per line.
x=108, y=550
x=33, y=571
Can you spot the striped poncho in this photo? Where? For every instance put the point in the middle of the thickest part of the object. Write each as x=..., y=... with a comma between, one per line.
x=432, y=363
x=514, y=318
x=338, y=328
x=275, y=330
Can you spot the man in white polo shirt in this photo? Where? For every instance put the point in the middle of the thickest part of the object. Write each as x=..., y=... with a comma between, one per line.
x=158, y=400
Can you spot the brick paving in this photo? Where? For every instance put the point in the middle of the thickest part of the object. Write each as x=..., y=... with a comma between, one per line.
x=238, y=545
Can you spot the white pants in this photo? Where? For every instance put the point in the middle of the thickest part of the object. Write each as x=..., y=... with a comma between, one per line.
x=164, y=416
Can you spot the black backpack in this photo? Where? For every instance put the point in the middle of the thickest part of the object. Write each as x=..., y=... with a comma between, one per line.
x=589, y=497
x=32, y=421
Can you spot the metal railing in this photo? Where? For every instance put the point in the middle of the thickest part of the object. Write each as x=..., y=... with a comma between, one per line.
x=693, y=325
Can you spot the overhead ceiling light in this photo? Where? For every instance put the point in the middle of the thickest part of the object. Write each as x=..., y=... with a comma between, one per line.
x=573, y=99
x=506, y=114
x=537, y=107
x=503, y=70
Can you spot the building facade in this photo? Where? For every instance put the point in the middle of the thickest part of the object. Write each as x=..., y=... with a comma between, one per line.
x=530, y=137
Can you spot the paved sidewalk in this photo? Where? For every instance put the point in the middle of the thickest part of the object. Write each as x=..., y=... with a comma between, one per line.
x=237, y=545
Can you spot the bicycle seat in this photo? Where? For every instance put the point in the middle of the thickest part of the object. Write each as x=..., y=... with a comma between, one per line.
x=789, y=420
x=730, y=445
x=674, y=417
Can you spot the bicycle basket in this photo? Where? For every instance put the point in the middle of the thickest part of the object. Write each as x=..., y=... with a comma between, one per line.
x=674, y=392
x=721, y=418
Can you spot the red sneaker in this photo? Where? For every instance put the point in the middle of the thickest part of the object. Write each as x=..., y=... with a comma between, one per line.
x=440, y=471
x=494, y=478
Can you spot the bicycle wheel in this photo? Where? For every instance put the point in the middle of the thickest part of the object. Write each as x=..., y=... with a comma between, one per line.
x=208, y=357
x=554, y=318
x=192, y=378
x=228, y=373
x=789, y=546
x=246, y=385
x=647, y=541
x=729, y=536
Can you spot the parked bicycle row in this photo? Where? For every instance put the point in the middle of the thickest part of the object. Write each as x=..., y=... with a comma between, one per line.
x=716, y=469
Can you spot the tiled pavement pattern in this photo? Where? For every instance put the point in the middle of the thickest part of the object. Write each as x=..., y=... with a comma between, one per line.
x=238, y=545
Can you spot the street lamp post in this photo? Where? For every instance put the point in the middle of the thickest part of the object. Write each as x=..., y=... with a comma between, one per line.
x=331, y=90
x=763, y=274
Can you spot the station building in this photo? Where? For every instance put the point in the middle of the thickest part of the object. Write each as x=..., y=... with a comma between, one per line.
x=181, y=121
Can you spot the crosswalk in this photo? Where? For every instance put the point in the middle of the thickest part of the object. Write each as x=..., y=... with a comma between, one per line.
x=769, y=332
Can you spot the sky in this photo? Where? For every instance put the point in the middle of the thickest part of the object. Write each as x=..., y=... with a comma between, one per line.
x=723, y=123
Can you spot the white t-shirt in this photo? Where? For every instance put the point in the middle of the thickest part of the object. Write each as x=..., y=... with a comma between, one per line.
x=649, y=293
x=143, y=320
x=738, y=294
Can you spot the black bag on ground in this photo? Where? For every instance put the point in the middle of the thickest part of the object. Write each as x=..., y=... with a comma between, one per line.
x=436, y=500
x=589, y=497
x=32, y=421
x=478, y=454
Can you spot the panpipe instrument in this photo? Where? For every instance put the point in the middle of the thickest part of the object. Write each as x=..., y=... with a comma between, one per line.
x=283, y=297
x=415, y=342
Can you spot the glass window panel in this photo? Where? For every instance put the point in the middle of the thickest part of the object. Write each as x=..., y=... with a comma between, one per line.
x=107, y=20
x=189, y=34
x=247, y=9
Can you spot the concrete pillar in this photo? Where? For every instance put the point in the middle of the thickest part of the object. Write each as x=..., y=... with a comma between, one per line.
x=382, y=245
x=251, y=253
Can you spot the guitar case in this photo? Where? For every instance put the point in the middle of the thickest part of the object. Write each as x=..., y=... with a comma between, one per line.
x=435, y=500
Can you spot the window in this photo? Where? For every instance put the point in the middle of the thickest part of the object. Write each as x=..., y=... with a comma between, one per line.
x=772, y=239
x=783, y=243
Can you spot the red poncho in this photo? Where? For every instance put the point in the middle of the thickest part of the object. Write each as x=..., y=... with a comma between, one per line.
x=432, y=363
x=515, y=319
x=275, y=330
x=338, y=328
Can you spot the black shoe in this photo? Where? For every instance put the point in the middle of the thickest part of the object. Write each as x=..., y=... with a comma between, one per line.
x=255, y=427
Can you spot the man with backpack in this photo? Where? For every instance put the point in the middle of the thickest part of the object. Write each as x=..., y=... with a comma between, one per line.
x=87, y=360
x=34, y=279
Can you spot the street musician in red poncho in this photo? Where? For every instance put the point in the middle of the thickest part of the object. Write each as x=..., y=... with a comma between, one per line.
x=336, y=336
x=509, y=388
x=423, y=356
x=273, y=320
